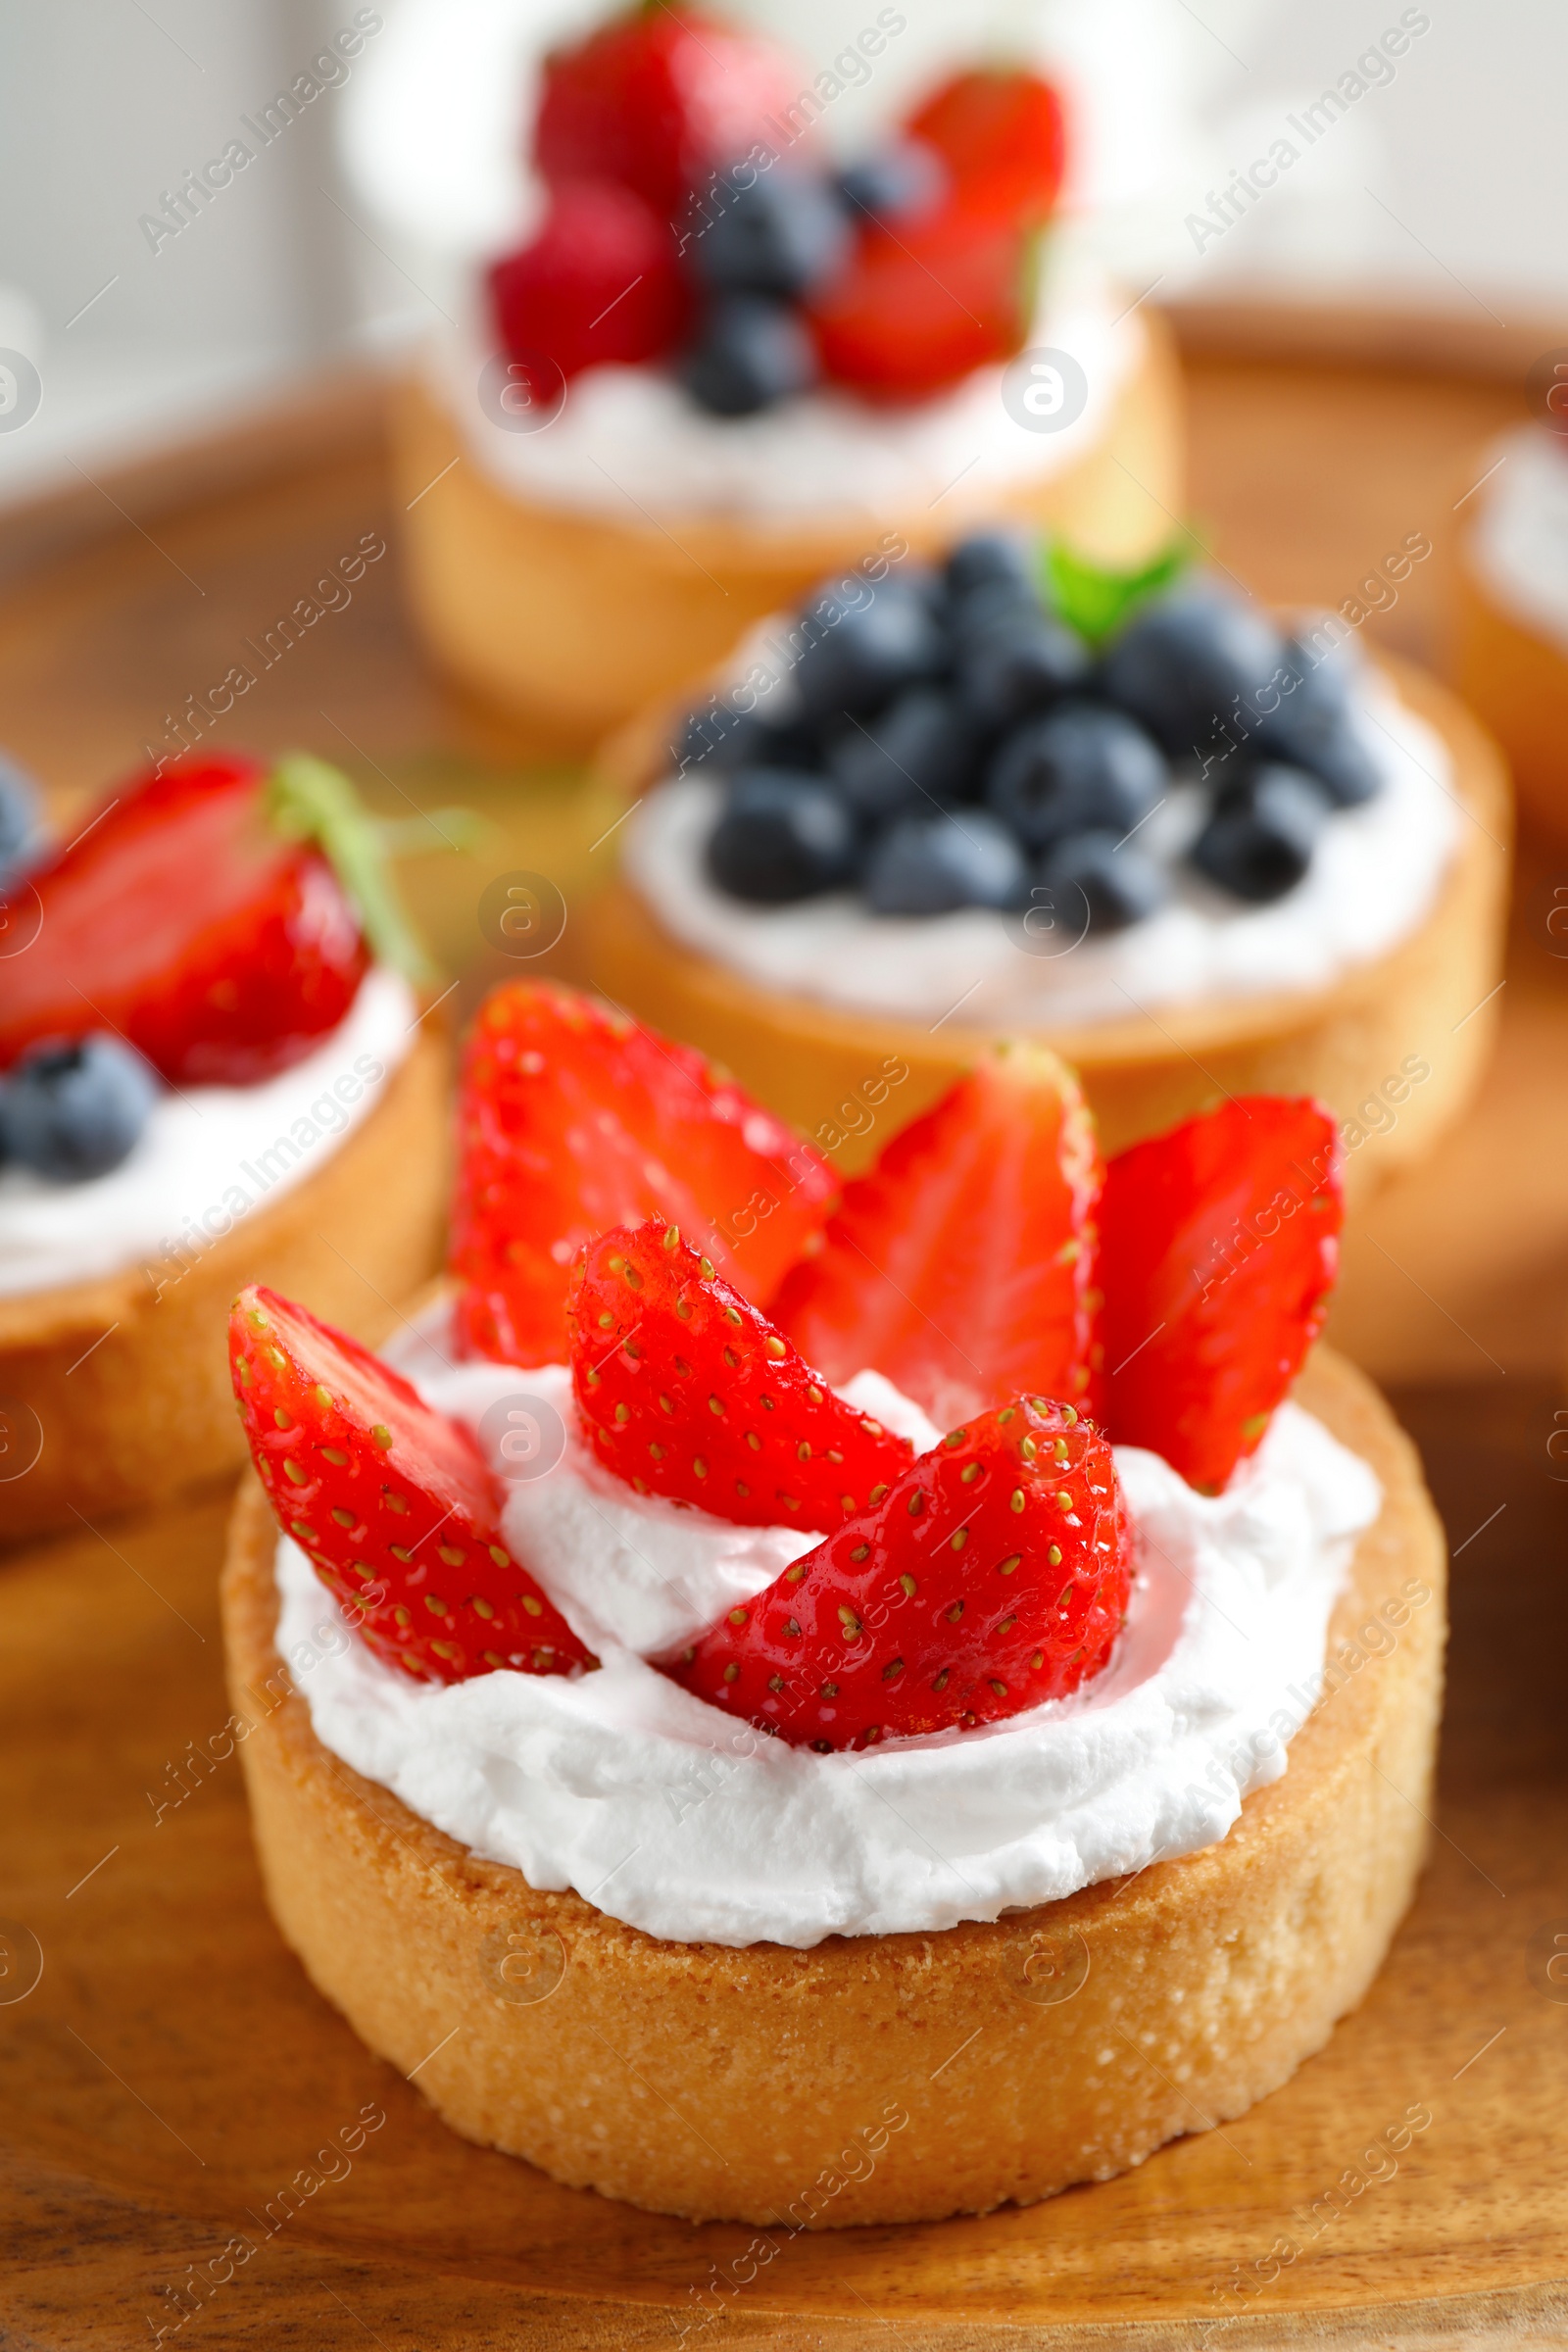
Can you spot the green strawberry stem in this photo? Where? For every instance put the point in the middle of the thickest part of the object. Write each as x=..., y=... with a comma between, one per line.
x=463, y=830
x=1095, y=599
x=309, y=801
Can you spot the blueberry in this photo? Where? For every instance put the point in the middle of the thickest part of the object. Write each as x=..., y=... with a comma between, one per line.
x=1184, y=664
x=783, y=835
x=781, y=236
x=1326, y=674
x=749, y=354
x=987, y=558
x=74, y=1108
x=992, y=609
x=857, y=654
x=1259, y=841
x=1021, y=665
x=701, y=735
x=20, y=817
x=1319, y=735
x=921, y=749
x=1119, y=885
x=930, y=585
x=931, y=865
x=719, y=740
x=897, y=183
x=1083, y=768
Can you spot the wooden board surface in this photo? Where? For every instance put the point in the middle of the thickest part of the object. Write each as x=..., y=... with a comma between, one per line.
x=171, y=2070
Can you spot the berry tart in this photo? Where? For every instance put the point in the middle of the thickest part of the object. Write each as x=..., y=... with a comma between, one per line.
x=1125, y=812
x=1511, y=650
x=890, y=1663
x=212, y=1070
x=722, y=358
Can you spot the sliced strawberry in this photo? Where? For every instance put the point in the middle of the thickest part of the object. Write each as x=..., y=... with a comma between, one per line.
x=1001, y=134
x=961, y=1264
x=600, y=283
x=1219, y=1243
x=993, y=1576
x=573, y=1119
x=179, y=917
x=688, y=1391
x=921, y=306
x=390, y=1499
x=659, y=98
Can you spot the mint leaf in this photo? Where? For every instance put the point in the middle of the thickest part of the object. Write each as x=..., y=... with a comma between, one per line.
x=309, y=801
x=1095, y=599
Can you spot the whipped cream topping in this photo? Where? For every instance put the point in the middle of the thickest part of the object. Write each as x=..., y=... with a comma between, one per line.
x=677, y=1818
x=1374, y=876
x=207, y=1156
x=1519, y=546
x=629, y=443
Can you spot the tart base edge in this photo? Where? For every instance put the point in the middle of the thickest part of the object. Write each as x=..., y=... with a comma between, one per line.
x=566, y=622
x=150, y=1410
x=1230, y=1967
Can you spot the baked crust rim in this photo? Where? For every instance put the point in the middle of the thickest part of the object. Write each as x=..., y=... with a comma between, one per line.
x=353, y=1875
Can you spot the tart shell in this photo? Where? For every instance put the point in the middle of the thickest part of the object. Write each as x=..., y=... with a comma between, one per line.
x=568, y=623
x=125, y=1380
x=1351, y=1043
x=1518, y=683
x=874, y=2079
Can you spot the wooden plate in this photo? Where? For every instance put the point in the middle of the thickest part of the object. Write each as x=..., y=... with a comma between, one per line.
x=168, y=2006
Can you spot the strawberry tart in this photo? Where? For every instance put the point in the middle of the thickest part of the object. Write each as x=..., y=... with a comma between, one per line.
x=723, y=356
x=1129, y=814
x=773, y=1671
x=1511, y=634
x=212, y=1070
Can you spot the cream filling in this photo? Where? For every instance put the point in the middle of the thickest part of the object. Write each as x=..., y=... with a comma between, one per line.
x=1374, y=878
x=208, y=1156
x=680, y=1821
x=628, y=443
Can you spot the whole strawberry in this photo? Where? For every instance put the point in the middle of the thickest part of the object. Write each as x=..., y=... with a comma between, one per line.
x=687, y=1391
x=1001, y=134
x=390, y=1499
x=600, y=283
x=921, y=306
x=661, y=98
x=994, y=1575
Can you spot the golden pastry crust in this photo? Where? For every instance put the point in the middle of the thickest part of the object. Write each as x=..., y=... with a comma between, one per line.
x=1517, y=682
x=1356, y=1040
x=874, y=2079
x=127, y=1377
x=569, y=622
